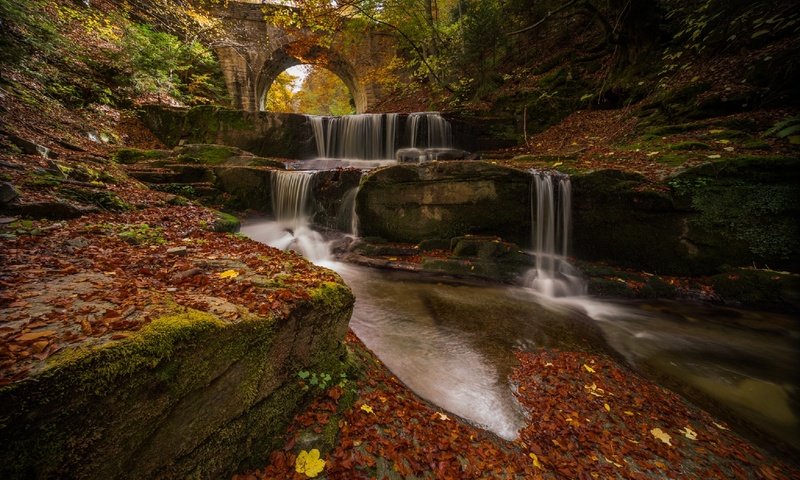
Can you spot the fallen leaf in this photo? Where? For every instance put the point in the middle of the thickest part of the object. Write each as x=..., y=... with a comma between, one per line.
x=309, y=463
x=588, y=368
x=719, y=426
x=535, y=460
x=367, y=408
x=661, y=435
x=442, y=416
x=608, y=408
x=689, y=433
x=229, y=274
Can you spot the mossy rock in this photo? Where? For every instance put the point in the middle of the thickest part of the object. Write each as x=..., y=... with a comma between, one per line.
x=187, y=396
x=207, y=154
x=763, y=289
x=411, y=203
x=225, y=222
x=127, y=156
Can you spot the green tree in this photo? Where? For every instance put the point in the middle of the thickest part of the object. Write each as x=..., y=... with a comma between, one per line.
x=280, y=97
x=324, y=93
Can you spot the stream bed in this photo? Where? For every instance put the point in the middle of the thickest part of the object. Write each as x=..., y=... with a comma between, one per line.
x=452, y=343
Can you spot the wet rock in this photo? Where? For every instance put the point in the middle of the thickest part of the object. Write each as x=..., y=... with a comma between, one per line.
x=179, y=251
x=8, y=194
x=53, y=210
x=412, y=203
x=31, y=148
x=410, y=155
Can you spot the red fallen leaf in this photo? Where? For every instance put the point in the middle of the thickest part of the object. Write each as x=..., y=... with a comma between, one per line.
x=31, y=337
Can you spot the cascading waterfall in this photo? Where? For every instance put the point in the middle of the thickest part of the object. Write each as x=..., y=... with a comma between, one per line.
x=377, y=136
x=438, y=130
x=551, y=210
x=364, y=136
x=347, y=218
x=292, y=202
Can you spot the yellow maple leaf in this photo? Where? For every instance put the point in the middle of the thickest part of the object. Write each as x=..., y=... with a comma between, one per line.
x=309, y=463
x=588, y=368
x=689, y=433
x=535, y=460
x=367, y=408
x=661, y=435
x=229, y=274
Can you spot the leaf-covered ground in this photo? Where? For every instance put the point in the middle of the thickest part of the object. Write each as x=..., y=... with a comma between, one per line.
x=97, y=278
x=588, y=418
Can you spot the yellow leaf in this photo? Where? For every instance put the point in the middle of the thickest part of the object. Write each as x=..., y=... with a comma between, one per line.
x=442, y=416
x=661, y=435
x=309, y=463
x=608, y=409
x=719, y=426
x=229, y=274
x=558, y=164
x=367, y=408
x=588, y=368
x=689, y=433
x=628, y=412
x=535, y=460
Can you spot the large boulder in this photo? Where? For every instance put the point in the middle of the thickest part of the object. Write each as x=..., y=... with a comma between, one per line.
x=252, y=187
x=731, y=213
x=190, y=395
x=411, y=203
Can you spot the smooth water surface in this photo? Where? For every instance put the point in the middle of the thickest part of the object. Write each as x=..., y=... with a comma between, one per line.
x=452, y=342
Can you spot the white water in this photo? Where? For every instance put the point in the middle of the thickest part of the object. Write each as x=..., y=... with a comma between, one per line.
x=551, y=210
x=449, y=344
x=291, y=205
x=437, y=130
x=375, y=137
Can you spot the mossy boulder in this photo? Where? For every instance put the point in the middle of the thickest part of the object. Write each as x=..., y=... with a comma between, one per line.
x=411, y=203
x=765, y=289
x=732, y=212
x=252, y=187
x=190, y=395
x=267, y=134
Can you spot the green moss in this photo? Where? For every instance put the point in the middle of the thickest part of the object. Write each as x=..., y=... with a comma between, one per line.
x=331, y=294
x=207, y=154
x=141, y=234
x=102, y=198
x=765, y=289
x=127, y=156
x=755, y=144
x=690, y=145
x=726, y=134
x=99, y=368
x=225, y=222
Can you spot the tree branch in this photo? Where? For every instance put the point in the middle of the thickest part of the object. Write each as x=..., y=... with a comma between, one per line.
x=546, y=18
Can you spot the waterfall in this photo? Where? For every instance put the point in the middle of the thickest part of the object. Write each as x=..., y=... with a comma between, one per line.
x=551, y=209
x=364, y=136
x=292, y=202
x=347, y=219
x=377, y=136
x=438, y=131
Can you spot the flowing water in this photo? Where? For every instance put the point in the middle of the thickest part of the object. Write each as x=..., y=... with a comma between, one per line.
x=452, y=342
x=371, y=140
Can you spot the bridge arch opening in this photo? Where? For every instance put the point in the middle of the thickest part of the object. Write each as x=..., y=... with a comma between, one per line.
x=311, y=90
x=317, y=57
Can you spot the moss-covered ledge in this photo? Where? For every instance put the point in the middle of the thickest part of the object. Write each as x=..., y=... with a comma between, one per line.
x=188, y=396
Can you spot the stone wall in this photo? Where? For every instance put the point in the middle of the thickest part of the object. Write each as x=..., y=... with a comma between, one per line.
x=284, y=135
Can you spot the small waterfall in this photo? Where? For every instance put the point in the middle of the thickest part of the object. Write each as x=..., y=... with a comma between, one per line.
x=551, y=210
x=346, y=216
x=377, y=136
x=438, y=131
x=292, y=203
x=364, y=136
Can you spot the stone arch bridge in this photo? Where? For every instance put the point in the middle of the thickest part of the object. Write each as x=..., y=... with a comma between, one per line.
x=253, y=52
